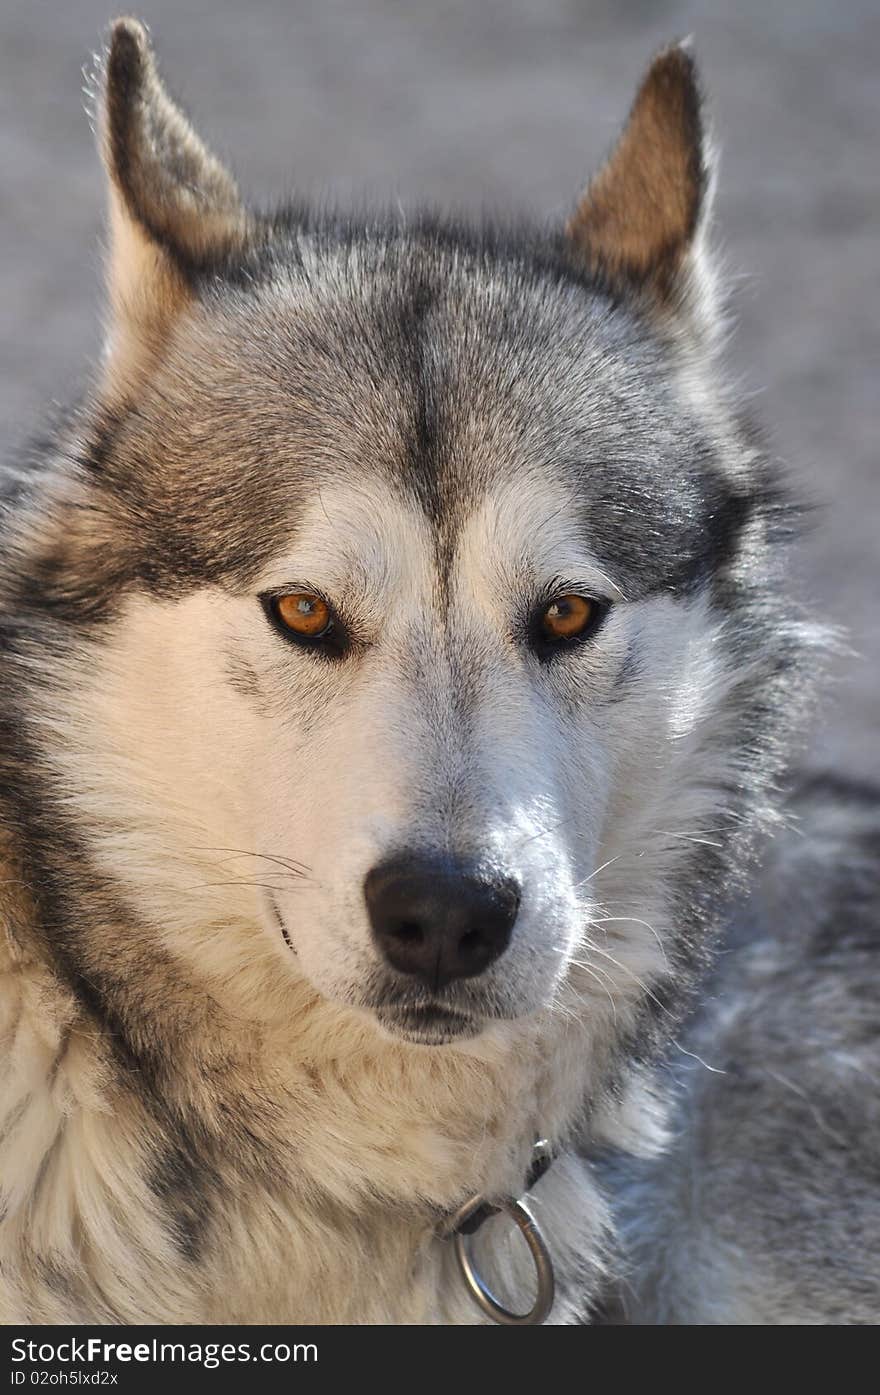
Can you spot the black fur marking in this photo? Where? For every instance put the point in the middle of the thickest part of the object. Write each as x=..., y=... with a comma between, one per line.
x=183, y=1185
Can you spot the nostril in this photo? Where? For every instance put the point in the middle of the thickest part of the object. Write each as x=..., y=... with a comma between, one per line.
x=471, y=939
x=409, y=932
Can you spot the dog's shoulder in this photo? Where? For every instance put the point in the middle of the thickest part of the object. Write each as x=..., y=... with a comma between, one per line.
x=765, y=1208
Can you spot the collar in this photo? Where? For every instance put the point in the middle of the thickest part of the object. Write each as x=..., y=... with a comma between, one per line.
x=471, y=1216
x=468, y=1218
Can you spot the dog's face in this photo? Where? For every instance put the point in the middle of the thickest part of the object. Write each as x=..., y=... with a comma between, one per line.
x=470, y=614
x=411, y=667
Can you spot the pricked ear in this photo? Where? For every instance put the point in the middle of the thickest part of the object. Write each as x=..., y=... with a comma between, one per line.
x=640, y=223
x=173, y=205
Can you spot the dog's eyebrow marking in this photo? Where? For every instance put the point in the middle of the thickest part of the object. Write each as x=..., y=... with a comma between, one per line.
x=573, y=505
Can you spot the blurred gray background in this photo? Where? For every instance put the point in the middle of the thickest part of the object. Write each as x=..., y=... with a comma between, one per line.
x=491, y=105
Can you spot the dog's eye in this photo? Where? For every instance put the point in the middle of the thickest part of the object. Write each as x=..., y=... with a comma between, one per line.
x=307, y=619
x=304, y=614
x=565, y=619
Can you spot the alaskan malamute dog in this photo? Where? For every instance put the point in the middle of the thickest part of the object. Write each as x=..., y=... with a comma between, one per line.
x=397, y=680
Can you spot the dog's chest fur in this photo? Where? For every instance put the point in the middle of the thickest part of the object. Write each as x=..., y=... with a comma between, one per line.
x=264, y=1187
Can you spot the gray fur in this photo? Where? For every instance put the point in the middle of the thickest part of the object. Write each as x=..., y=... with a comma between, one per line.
x=766, y=1208
x=451, y=426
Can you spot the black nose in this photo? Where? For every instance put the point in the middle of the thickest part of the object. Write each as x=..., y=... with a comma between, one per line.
x=437, y=919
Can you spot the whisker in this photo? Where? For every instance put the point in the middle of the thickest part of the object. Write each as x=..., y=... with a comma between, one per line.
x=297, y=868
x=691, y=838
x=611, y=919
x=591, y=945
x=595, y=873
x=716, y=1070
x=281, y=872
x=533, y=837
x=204, y=886
x=593, y=971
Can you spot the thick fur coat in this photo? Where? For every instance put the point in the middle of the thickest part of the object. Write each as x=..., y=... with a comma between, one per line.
x=219, y=1102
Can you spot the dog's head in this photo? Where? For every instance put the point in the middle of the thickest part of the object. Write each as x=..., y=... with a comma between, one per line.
x=416, y=584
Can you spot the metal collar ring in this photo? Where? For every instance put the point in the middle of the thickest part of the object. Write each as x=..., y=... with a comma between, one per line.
x=476, y=1284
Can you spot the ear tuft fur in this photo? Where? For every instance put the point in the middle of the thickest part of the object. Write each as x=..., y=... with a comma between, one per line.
x=173, y=206
x=639, y=224
x=170, y=182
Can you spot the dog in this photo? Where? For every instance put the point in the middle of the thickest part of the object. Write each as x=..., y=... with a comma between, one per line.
x=399, y=682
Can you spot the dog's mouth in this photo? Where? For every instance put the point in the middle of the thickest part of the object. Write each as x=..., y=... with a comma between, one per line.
x=428, y=1025
x=422, y=1023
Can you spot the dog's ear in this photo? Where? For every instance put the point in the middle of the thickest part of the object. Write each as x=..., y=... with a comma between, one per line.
x=173, y=205
x=641, y=223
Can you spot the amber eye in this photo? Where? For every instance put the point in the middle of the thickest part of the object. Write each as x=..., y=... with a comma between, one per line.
x=304, y=614
x=306, y=619
x=568, y=617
